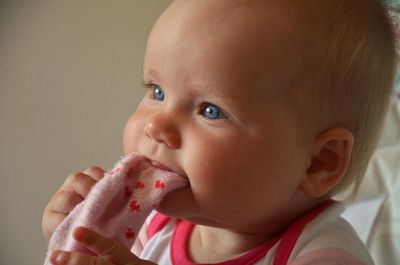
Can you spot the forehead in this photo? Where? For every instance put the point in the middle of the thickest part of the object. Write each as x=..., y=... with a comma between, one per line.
x=208, y=43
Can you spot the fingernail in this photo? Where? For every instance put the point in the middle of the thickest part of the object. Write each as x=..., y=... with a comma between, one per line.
x=57, y=258
x=80, y=234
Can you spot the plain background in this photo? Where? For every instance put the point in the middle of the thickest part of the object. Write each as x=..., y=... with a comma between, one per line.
x=70, y=75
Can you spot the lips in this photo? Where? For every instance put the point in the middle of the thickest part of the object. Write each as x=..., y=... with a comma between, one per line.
x=157, y=164
x=161, y=166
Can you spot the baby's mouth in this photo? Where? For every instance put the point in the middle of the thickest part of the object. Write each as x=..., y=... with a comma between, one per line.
x=157, y=164
x=161, y=166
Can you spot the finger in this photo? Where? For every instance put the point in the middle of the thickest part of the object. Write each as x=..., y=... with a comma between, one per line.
x=64, y=201
x=75, y=258
x=104, y=247
x=96, y=173
x=80, y=183
x=50, y=223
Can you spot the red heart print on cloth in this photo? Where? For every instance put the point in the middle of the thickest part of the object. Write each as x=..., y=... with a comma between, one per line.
x=129, y=233
x=139, y=185
x=159, y=185
x=135, y=206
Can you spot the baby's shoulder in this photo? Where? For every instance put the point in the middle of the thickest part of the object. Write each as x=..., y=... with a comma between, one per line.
x=336, y=238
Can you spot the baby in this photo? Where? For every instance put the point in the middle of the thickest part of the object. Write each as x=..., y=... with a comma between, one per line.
x=269, y=108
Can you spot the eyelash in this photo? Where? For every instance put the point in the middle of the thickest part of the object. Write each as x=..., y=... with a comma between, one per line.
x=148, y=86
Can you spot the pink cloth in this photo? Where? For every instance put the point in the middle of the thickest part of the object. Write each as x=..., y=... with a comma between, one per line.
x=117, y=205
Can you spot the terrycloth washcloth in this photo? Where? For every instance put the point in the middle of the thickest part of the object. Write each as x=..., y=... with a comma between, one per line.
x=118, y=204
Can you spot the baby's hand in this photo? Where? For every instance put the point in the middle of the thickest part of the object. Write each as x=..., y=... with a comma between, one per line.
x=109, y=252
x=74, y=190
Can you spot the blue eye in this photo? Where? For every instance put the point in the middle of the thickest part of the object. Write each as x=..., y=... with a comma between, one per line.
x=212, y=112
x=158, y=93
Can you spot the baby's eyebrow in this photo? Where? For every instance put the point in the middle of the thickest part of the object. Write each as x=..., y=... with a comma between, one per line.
x=213, y=88
x=151, y=72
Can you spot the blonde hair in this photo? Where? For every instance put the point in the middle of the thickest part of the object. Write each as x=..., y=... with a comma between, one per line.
x=350, y=53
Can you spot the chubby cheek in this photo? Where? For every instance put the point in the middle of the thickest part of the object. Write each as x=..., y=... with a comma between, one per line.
x=233, y=174
x=217, y=172
x=132, y=133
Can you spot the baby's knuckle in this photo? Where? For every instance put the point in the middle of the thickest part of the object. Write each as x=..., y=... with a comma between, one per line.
x=92, y=168
x=95, y=172
x=85, y=187
x=75, y=177
x=57, y=201
x=110, y=249
x=61, y=196
x=70, y=199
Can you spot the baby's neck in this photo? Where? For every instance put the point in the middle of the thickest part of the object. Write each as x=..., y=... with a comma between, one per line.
x=212, y=245
x=209, y=244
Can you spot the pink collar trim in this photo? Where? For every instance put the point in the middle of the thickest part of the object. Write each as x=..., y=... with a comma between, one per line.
x=179, y=254
x=183, y=229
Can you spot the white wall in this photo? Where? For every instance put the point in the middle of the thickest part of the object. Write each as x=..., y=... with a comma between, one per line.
x=69, y=78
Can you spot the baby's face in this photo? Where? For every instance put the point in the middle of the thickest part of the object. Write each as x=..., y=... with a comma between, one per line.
x=215, y=113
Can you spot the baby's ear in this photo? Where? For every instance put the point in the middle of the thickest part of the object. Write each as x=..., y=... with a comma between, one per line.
x=329, y=161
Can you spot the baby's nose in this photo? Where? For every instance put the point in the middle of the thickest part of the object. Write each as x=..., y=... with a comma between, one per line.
x=163, y=129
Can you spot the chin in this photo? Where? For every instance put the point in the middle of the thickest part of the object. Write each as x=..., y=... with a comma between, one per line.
x=169, y=210
x=185, y=212
x=174, y=204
